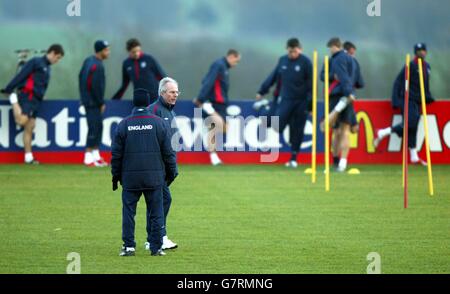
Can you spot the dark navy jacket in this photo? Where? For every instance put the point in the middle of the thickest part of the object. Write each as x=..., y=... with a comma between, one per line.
x=144, y=72
x=216, y=83
x=293, y=78
x=142, y=157
x=33, y=78
x=92, y=82
x=165, y=111
x=359, y=81
x=398, y=92
x=343, y=67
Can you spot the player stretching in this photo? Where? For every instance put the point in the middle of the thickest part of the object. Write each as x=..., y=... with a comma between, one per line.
x=420, y=50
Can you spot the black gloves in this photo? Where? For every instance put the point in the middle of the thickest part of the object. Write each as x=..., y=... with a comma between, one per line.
x=115, y=181
x=170, y=179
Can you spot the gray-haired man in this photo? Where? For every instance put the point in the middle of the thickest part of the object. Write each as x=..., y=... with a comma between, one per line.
x=163, y=107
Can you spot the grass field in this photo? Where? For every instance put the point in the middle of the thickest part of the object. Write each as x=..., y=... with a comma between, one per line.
x=230, y=219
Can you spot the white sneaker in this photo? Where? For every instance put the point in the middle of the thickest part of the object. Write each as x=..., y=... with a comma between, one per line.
x=95, y=164
x=168, y=244
x=101, y=162
x=160, y=252
x=380, y=135
x=341, y=169
x=215, y=160
x=291, y=164
x=342, y=165
x=127, y=251
x=419, y=162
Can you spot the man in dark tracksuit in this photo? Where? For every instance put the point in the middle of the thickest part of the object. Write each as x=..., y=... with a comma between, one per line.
x=163, y=107
x=338, y=134
x=92, y=92
x=31, y=82
x=143, y=161
x=213, y=98
x=142, y=69
x=293, y=74
x=350, y=48
x=414, y=106
x=342, y=75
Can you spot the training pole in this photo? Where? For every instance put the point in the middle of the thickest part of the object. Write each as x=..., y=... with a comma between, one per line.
x=327, y=129
x=425, y=124
x=405, y=134
x=314, y=119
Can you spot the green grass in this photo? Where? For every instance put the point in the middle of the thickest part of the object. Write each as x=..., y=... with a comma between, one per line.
x=230, y=219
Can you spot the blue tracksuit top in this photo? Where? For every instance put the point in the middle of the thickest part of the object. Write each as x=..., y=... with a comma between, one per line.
x=145, y=72
x=359, y=80
x=33, y=78
x=142, y=155
x=342, y=74
x=216, y=83
x=293, y=78
x=398, y=92
x=92, y=82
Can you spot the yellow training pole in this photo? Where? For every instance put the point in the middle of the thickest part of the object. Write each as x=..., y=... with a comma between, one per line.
x=327, y=129
x=314, y=119
x=405, y=128
x=425, y=124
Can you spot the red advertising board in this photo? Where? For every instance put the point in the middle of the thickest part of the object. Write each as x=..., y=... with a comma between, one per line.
x=373, y=115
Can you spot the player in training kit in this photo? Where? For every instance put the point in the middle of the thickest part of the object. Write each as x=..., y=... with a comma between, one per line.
x=31, y=83
x=342, y=77
x=142, y=69
x=293, y=78
x=92, y=92
x=213, y=98
x=338, y=137
x=414, y=106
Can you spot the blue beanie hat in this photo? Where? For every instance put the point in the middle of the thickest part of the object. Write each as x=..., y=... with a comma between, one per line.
x=141, y=97
x=420, y=46
x=100, y=45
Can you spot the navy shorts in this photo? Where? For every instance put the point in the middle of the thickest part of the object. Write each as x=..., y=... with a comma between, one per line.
x=29, y=103
x=353, y=123
x=347, y=115
x=221, y=109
